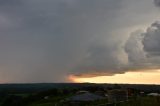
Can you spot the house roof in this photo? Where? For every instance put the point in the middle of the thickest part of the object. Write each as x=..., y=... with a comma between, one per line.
x=153, y=94
x=86, y=97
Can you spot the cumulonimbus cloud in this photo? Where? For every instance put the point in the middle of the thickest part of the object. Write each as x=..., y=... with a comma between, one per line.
x=151, y=40
x=45, y=40
x=142, y=49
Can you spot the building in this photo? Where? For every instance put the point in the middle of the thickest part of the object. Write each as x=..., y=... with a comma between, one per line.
x=86, y=97
x=82, y=99
x=117, y=95
x=100, y=93
x=153, y=94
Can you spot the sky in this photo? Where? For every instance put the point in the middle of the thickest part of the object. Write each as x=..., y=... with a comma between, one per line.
x=100, y=41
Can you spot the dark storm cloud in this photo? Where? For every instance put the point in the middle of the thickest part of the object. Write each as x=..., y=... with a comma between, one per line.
x=151, y=40
x=157, y=3
x=114, y=53
x=143, y=45
x=47, y=40
x=100, y=60
x=134, y=48
x=41, y=41
x=143, y=48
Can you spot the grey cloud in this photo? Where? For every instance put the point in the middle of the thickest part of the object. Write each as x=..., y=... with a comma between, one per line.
x=108, y=58
x=100, y=60
x=47, y=40
x=151, y=40
x=157, y=2
x=143, y=48
x=41, y=41
x=134, y=48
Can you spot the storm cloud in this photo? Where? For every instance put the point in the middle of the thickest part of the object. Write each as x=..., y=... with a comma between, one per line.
x=151, y=40
x=157, y=2
x=48, y=40
x=134, y=48
x=142, y=47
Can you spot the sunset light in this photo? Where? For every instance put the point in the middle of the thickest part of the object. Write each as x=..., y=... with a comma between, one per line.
x=128, y=77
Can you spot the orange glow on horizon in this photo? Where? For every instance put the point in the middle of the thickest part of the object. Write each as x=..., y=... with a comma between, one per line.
x=74, y=79
x=128, y=78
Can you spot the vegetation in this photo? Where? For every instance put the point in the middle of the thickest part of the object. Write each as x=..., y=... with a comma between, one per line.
x=142, y=101
x=51, y=95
